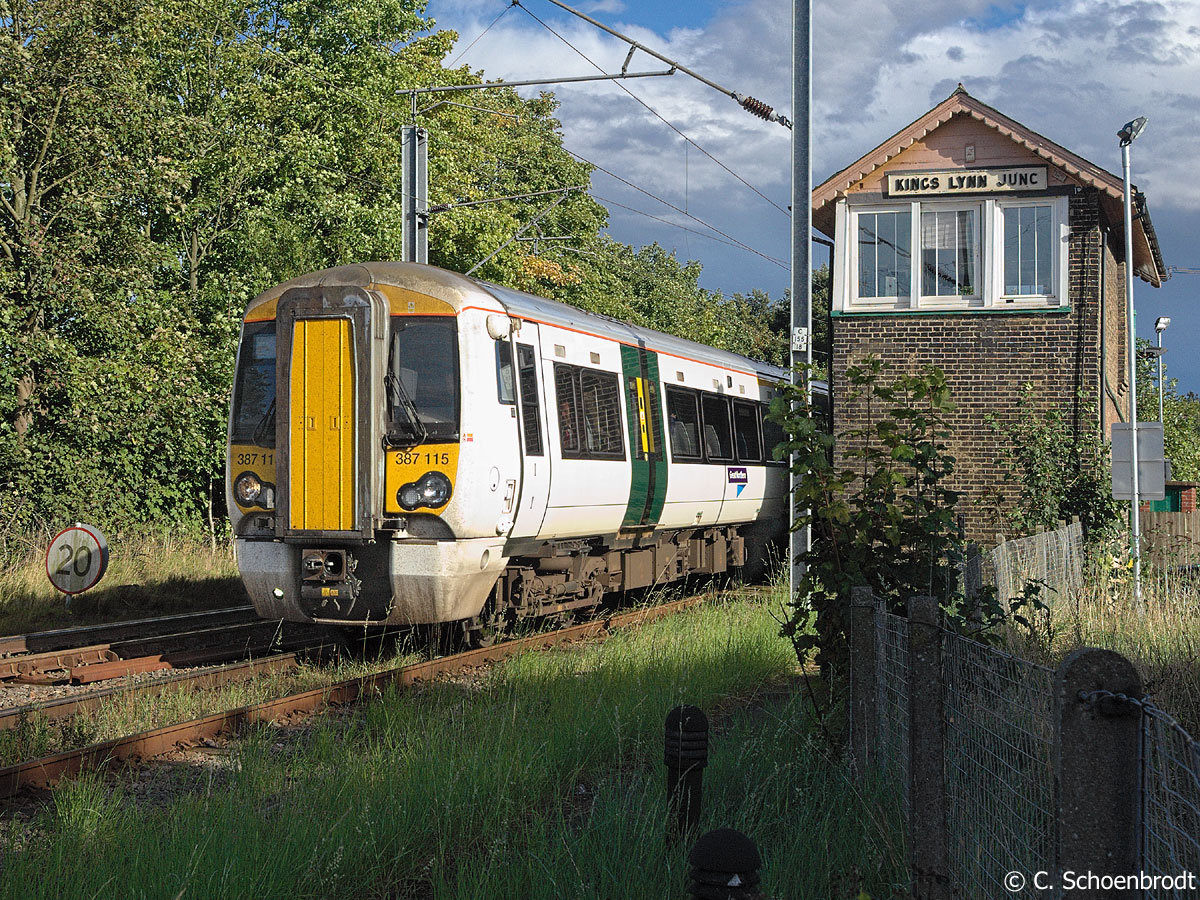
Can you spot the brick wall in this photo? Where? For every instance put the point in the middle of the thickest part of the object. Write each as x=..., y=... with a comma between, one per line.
x=987, y=358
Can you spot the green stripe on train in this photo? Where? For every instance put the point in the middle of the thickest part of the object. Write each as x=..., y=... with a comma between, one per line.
x=648, y=484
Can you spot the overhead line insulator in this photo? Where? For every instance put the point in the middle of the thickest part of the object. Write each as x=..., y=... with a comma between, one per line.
x=758, y=108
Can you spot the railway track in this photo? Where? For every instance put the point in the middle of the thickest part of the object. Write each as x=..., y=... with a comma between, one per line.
x=48, y=771
x=102, y=652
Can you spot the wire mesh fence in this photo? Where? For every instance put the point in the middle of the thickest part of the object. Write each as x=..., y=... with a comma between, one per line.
x=1054, y=558
x=1006, y=806
x=891, y=680
x=999, y=763
x=1170, y=803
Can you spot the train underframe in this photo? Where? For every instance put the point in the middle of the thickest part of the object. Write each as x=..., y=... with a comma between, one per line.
x=346, y=585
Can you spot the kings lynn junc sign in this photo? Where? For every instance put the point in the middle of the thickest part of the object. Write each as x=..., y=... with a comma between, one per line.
x=967, y=181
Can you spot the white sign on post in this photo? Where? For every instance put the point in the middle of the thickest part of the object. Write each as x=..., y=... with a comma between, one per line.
x=1152, y=469
x=77, y=558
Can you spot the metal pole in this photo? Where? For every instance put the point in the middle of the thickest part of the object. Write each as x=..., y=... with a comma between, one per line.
x=414, y=169
x=1160, y=389
x=1134, y=520
x=801, y=345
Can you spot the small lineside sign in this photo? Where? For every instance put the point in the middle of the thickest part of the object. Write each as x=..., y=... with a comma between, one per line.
x=77, y=558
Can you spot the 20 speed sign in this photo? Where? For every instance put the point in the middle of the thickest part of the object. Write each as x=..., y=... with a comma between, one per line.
x=77, y=558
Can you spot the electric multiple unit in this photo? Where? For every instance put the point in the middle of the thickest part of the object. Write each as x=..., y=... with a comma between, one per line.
x=408, y=445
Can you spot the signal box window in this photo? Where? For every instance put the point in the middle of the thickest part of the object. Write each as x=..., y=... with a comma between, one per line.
x=745, y=431
x=589, y=413
x=684, y=426
x=717, y=444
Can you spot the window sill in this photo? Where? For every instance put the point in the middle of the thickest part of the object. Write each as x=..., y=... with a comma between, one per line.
x=1007, y=310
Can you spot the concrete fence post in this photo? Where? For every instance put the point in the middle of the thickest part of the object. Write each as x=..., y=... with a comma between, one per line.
x=864, y=692
x=1097, y=771
x=928, y=845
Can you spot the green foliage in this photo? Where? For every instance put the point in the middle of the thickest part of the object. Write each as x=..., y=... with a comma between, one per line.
x=1181, y=414
x=887, y=518
x=163, y=161
x=1055, y=470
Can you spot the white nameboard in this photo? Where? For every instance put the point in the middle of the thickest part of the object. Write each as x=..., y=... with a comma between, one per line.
x=77, y=558
x=967, y=181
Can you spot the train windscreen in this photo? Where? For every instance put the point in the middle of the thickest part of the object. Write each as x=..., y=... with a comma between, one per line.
x=422, y=378
x=254, y=389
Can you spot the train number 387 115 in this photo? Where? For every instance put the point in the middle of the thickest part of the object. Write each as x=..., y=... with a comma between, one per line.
x=412, y=458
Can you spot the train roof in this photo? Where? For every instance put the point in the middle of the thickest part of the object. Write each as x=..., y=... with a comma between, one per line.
x=462, y=293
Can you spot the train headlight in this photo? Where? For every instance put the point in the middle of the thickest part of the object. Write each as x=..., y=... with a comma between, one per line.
x=431, y=490
x=248, y=488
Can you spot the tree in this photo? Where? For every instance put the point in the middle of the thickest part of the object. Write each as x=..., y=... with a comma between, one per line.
x=886, y=519
x=1181, y=412
x=1056, y=471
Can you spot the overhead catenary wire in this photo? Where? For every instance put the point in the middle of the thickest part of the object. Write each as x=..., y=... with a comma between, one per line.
x=752, y=105
x=479, y=37
x=694, y=231
x=656, y=113
x=671, y=205
x=261, y=41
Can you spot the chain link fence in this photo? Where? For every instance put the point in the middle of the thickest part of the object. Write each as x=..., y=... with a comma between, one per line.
x=1030, y=785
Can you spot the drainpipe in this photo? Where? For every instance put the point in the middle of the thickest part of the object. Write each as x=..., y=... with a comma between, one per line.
x=1108, y=389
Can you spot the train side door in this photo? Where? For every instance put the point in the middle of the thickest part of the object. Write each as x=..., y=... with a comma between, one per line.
x=531, y=415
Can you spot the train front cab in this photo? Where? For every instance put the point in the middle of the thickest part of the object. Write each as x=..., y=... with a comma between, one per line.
x=346, y=460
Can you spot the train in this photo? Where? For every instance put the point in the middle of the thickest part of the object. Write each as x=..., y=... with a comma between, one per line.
x=410, y=446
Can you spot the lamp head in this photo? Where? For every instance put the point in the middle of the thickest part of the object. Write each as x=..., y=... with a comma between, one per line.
x=1161, y=323
x=1129, y=133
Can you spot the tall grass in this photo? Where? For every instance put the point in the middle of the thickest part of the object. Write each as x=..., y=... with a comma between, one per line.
x=148, y=574
x=542, y=779
x=1162, y=637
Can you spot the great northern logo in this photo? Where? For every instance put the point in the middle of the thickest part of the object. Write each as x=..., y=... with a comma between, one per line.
x=737, y=475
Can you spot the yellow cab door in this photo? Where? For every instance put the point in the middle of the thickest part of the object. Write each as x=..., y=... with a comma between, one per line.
x=322, y=416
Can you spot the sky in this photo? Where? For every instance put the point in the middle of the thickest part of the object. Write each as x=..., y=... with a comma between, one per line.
x=1074, y=71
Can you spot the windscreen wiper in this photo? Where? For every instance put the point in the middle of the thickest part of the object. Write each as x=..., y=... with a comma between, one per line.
x=399, y=399
x=266, y=427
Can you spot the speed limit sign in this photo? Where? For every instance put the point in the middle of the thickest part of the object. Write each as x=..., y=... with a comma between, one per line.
x=77, y=558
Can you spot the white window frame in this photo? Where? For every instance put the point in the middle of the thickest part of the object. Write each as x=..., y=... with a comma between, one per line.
x=989, y=295
x=951, y=301
x=879, y=304
x=1060, y=239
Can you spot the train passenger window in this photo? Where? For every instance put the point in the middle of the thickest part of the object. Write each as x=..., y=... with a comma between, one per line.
x=530, y=419
x=504, y=373
x=717, y=444
x=589, y=413
x=745, y=431
x=254, y=390
x=601, y=413
x=772, y=434
x=685, y=424
x=568, y=409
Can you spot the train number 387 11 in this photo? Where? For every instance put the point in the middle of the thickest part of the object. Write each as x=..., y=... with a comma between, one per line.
x=253, y=459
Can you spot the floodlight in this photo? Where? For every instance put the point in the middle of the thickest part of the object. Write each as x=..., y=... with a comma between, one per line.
x=1161, y=323
x=1129, y=133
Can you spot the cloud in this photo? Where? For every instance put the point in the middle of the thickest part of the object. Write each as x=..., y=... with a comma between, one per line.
x=1073, y=70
